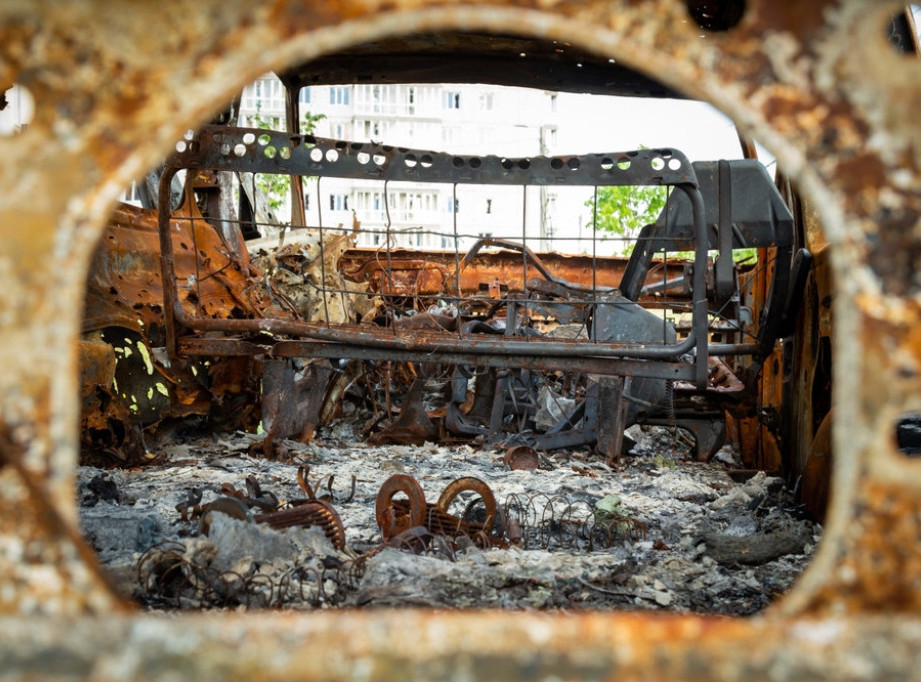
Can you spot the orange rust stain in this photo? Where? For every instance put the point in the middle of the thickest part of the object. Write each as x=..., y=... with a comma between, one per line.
x=881, y=570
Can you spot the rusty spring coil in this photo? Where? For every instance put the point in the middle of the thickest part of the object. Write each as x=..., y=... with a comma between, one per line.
x=555, y=522
x=169, y=578
x=396, y=517
x=313, y=513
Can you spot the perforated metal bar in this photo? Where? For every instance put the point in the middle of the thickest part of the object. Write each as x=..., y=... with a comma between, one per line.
x=266, y=151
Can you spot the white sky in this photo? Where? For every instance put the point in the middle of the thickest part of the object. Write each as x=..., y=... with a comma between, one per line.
x=592, y=124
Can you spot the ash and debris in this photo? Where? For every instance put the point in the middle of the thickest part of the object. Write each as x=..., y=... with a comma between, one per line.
x=681, y=535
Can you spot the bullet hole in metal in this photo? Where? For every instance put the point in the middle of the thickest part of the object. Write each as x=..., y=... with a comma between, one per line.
x=902, y=33
x=908, y=434
x=716, y=15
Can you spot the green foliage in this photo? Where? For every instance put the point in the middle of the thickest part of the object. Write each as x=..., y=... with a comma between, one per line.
x=624, y=210
x=276, y=187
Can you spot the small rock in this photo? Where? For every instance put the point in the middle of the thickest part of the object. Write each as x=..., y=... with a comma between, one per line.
x=662, y=598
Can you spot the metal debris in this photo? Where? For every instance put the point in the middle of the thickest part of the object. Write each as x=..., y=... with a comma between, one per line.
x=398, y=516
x=621, y=530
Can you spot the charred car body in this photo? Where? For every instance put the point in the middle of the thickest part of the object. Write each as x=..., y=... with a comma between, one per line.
x=660, y=337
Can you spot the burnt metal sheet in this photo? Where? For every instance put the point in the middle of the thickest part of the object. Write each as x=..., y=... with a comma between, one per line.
x=817, y=82
x=252, y=150
x=124, y=308
x=467, y=56
x=426, y=272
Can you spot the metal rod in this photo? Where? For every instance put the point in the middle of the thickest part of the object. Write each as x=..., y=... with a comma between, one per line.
x=677, y=371
x=435, y=341
x=322, y=260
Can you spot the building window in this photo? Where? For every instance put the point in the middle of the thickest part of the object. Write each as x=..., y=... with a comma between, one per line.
x=453, y=205
x=486, y=101
x=372, y=129
x=452, y=100
x=489, y=205
x=304, y=96
x=339, y=95
x=338, y=202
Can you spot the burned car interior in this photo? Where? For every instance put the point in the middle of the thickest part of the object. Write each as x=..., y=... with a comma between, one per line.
x=501, y=340
x=285, y=411
x=497, y=332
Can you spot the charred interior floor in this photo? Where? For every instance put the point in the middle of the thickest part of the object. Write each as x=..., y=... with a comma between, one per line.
x=208, y=525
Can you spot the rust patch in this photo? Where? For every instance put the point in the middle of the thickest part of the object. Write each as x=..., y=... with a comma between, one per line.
x=881, y=570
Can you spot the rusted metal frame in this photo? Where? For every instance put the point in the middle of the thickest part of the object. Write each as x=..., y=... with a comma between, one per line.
x=433, y=341
x=167, y=264
x=529, y=256
x=699, y=316
x=59, y=527
x=311, y=513
x=292, y=114
x=639, y=646
x=322, y=244
x=698, y=336
x=244, y=149
x=399, y=516
x=301, y=348
x=360, y=264
x=724, y=285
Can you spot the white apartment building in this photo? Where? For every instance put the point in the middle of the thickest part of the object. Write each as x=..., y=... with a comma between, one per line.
x=458, y=119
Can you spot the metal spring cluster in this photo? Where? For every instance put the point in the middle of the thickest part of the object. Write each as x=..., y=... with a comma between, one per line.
x=312, y=511
x=559, y=523
x=169, y=578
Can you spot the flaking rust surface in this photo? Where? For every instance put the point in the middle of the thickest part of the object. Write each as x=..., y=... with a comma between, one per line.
x=817, y=84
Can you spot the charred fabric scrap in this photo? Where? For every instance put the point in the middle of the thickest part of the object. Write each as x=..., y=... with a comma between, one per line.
x=287, y=334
